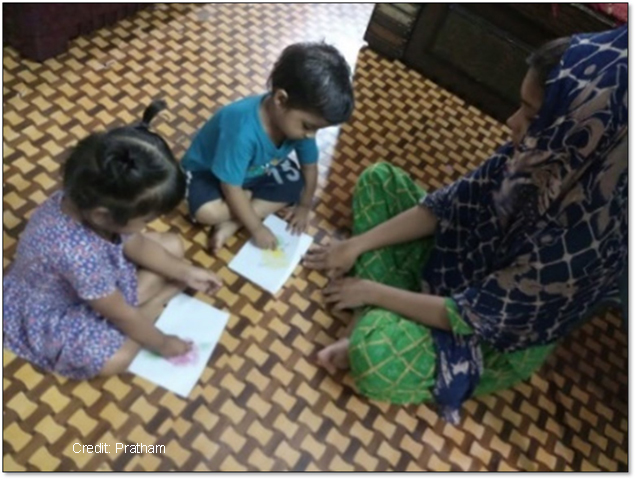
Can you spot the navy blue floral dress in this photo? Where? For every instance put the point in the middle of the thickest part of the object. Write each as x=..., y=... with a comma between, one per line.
x=533, y=240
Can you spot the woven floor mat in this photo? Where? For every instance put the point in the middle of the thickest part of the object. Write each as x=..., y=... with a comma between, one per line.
x=262, y=403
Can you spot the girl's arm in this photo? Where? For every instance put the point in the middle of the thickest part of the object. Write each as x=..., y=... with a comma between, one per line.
x=130, y=320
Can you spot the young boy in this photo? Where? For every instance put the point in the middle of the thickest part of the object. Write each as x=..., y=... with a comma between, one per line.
x=237, y=166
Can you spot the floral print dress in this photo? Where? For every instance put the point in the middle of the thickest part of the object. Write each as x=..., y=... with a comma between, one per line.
x=59, y=267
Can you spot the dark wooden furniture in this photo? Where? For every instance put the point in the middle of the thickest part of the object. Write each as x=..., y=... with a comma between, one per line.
x=478, y=51
x=42, y=30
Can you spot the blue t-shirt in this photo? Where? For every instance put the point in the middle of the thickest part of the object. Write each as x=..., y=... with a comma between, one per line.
x=234, y=145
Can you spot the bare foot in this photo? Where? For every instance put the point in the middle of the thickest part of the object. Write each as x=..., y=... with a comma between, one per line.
x=335, y=357
x=221, y=233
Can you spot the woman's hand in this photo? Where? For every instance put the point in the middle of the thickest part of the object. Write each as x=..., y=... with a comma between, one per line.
x=348, y=293
x=337, y=258
x=202, y=280
x=298, y=218
x=173, y=346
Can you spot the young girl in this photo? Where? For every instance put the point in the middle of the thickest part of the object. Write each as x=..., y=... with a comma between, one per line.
x=86, y=285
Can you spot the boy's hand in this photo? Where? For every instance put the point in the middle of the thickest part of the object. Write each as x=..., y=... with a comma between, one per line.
x=173, y=346
x=298, y=219
x=202, y=280
x=347, y=293
x=265, y=239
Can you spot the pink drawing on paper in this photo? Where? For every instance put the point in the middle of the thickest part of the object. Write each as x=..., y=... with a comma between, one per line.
x=186, y=359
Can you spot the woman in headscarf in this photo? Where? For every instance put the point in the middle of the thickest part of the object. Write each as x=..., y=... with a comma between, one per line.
x=467, y=290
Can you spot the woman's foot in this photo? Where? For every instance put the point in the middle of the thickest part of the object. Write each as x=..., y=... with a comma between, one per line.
x=220, y=233
x=335, y=357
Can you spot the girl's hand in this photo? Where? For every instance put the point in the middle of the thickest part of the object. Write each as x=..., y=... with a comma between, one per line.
x=298, y=219
x=202, y=280
x=348, y=293
x=337, y=258
x=173, y=347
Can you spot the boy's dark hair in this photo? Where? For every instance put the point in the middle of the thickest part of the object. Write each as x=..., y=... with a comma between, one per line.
x=128, y=170
x=317, y=79
x=548, y=56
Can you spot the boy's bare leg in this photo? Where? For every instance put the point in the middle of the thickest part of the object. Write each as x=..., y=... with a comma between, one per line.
x=335, y=357
x=217, y=214
x=214, y=212
x=226, y=229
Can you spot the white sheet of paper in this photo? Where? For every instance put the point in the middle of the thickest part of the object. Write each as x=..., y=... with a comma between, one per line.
x=270, y=269
x=189, y=319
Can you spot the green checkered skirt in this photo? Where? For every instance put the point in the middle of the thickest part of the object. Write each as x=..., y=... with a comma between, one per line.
x=393, y=359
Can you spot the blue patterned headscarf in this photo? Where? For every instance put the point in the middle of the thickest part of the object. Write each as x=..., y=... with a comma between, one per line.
x=534, y=239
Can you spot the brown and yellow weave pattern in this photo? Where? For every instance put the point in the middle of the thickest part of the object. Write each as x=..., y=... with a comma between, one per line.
x=262, y=404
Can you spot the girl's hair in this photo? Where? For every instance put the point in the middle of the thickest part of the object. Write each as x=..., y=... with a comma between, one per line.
x=548, y=56
x=128, y=170
x=317, y=78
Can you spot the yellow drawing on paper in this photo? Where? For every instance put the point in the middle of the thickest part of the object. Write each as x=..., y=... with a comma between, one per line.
x=275, y=258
